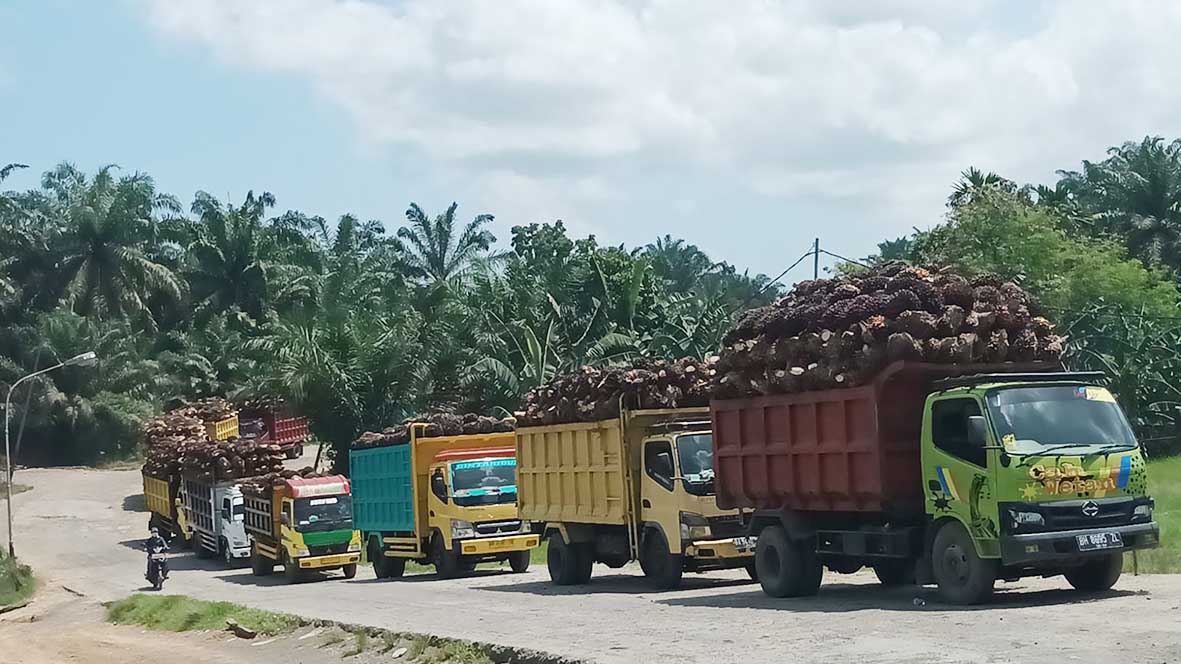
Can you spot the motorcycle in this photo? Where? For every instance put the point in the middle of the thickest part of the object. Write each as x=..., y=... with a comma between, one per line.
x=157, y=562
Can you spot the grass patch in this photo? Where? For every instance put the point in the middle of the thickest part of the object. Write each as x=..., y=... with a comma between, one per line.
x=16, y=489
x=360, y=645
x=177, y=613
x=16, y=581
x=1165, y=488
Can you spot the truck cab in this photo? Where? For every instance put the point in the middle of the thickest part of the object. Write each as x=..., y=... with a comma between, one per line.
x=306, y=525
x=231, y=517
x=1031, y=475
x=473, y=509
x=682, y=523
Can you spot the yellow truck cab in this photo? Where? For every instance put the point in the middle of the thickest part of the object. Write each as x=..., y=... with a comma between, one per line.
x=305, y=525
x=639, y=487
x=450, y=501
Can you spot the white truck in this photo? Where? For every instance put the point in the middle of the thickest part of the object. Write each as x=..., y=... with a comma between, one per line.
x=216, y=512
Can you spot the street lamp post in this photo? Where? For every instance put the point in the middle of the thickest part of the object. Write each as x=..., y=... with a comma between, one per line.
x=85, y=359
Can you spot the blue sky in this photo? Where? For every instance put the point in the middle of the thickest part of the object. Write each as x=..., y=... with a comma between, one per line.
x=747, y=128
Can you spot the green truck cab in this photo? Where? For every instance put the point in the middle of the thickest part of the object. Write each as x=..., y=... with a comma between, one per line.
x=1042, y=473
x=305, y=525
x=956, y=475
x=448, y=501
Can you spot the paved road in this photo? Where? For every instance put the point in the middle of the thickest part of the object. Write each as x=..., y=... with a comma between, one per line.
x=82, y=528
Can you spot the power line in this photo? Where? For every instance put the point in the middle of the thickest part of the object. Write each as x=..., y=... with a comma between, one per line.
x=769, y=283
x=842, y=258
x=1099, y=314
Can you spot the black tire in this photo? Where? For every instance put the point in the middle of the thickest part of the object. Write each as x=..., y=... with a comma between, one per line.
x=663, y=568
x=1097, y=574
x=349, y=570
x=895, y=572
x=569, y=564
x=227, y=554
x=295, y=451
x=752, y=571
x=447, y=563
x=291, y=571
x=518, y=561
x=963, y=577
x=260, y=565
x=786, y=568
x=377, y=558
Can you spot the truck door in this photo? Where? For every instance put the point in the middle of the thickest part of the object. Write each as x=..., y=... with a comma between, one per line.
x=957, y=475
x=658, y=503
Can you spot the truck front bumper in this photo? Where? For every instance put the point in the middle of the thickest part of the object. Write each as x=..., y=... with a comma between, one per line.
x=1063, y=545
x=324, y=562
x=494, y=545
x=720, y=554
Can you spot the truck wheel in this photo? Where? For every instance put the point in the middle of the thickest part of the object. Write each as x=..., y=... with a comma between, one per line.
x=963, y=576
x=292, y=572
x=569, y=564
x=227, y=554
x=446, y=561
x=894, y=572
x=786, y=568
x=1098, y=574
x=295, y=452
x=663, y=568
x=349, y=570
x=260, y=565
x=519, y=561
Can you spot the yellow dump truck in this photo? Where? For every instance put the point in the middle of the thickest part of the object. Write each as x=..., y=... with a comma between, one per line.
x=165, y=502
x=450, y=501
x=305, y=525
x=637, y=487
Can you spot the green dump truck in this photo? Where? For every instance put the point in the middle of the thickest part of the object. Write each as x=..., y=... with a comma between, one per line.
x=957, y=474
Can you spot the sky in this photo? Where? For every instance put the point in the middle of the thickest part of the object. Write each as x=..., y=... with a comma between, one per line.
x=747, y=128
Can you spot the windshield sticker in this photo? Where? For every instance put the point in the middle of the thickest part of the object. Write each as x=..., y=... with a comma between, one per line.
x=1031, y=491
x=1067, y=478
x=322, y=501
x=490, y=463
x=1010, y=442
x=1097, y=394
x=475, y=493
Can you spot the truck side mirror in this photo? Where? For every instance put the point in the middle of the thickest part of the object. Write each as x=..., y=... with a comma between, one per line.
x=977, y=430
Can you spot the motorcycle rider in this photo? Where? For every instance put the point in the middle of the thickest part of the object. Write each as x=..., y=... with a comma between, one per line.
x=156, y=543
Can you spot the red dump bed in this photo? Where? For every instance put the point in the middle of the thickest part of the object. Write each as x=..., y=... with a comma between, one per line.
x=848, y=450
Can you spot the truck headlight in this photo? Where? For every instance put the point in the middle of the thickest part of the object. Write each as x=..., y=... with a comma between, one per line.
x=526, y=526
x=301, y=552
x=694, y=527
x=1143, y=511
x=354, y=547
x=1027, y=518
x=461, y=529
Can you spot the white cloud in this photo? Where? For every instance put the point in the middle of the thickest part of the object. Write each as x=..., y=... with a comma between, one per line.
x=881, y=103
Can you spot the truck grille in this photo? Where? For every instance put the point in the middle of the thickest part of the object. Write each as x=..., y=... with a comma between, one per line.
x=498, y=527
x=1069, y=514
x=726, y=526
x=328, y=549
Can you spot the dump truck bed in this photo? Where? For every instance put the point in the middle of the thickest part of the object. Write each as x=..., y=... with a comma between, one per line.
x=582, y=472
x=851, y=450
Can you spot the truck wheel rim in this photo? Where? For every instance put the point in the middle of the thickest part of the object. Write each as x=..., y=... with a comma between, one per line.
x=955, y=561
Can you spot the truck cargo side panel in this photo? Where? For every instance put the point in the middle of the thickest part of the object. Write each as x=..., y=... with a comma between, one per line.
x=817, y=451
x=158, y=496
x=383, y=489
x=572, y=473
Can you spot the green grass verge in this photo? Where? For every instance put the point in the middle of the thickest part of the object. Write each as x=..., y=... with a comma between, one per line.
x=16, y=581
x=1164, y=485
x=16, y=489
x=177, y=613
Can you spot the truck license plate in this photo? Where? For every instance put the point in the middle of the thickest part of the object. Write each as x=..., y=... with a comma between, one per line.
x=1097, y=541
x=744, y=544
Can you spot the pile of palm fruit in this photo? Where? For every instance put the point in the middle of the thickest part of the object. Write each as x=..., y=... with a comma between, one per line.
x=178, y=443
x=593, y=393
x=265, y=484
x=433, y=426
x=829, y=333
x=212, y=409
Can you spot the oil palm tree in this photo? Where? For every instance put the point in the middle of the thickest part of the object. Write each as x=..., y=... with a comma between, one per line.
x=1136, y=192
x=101, y=253
x=228, y=266
x=682, y=265
x=435, y=253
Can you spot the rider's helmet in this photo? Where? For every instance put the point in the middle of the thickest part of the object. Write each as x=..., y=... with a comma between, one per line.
x=155, y=531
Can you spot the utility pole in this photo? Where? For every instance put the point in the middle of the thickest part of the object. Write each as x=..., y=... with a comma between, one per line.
x=816, y=259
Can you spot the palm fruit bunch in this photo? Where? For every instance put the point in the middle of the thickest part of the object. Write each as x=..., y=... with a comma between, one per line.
x=212, y=409
x=839, y=332
x=264, y=485
x=435, y=425
x=596, y=393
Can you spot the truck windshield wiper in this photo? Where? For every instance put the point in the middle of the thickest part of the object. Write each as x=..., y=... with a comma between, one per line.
x=1117, y=447
x=1055, y=448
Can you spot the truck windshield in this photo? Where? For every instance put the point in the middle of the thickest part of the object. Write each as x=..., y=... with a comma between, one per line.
x=696, y=455
x=484, y=482
x=1066, y=419
x=313, y=515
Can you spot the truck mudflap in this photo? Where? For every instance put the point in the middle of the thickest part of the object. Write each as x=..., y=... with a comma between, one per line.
x=494, y=545
x=324, y=562
x=1074, y=544
x=730, y=552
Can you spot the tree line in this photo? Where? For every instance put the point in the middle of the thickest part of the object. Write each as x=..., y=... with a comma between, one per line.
x=358, y=327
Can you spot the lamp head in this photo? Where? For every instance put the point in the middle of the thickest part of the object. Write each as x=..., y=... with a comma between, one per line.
x=87, y=359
